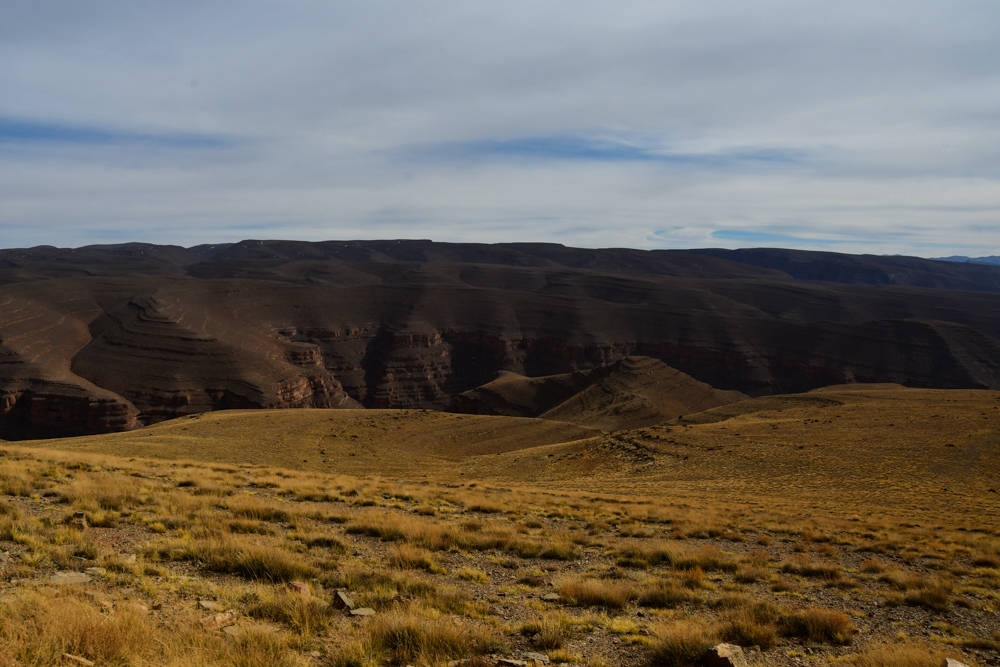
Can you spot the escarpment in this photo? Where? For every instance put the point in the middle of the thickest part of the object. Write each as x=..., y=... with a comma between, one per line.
x=107, y=338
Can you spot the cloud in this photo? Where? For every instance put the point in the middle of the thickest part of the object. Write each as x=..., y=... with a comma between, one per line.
x=566, y=121
x=14, y=131
x=586, y=149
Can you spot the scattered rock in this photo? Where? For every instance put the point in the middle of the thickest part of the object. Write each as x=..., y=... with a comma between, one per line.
x=342, y=601
x=68, y=578
x=315, y=654
x=95, y=571
x=550, y=597
x=157, y=606
x=76, y=660
x=233, y=630
x=363, y=611
x=725, y=655
x=954, y=663
x=299, y=587
x=127, y=558
x=79, y=520
x=219, y=621
x=511, y=662
x=4, y=557
x=540, y=658
x=138, y=607
x=209, y=605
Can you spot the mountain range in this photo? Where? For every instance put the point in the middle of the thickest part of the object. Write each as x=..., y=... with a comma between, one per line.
x=105, y=338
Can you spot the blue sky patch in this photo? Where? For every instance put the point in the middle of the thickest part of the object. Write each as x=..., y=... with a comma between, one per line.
x=42, y=132
x=582, y=149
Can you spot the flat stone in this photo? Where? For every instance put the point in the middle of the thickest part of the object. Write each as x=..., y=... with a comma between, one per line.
x=299, y=587
x=363, y=611
x=540, y=658
x=342, y=600
x=233, y=630
x=68, y=578
x=96, y=571
x=550, y=597
x=209, y=605
x=511, y=662
x=725, y=655
x=954, y=663
x=219, y=621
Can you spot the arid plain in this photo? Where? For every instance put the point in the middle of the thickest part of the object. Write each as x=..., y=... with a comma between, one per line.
x=850, y=525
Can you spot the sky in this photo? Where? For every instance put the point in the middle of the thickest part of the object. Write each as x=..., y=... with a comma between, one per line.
x=860, y=127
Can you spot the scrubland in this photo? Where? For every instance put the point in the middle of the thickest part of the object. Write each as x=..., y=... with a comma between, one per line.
x=614, y=554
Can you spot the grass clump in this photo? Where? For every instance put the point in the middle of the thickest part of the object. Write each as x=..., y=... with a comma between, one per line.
x=409, y=557
x=665, y=594
x=551, y=631
x=680, y=644
x=412, y=637
x=820, y=625
x=607, y=594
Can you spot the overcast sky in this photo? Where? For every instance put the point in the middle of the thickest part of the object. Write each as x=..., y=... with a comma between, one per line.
x=847, y=126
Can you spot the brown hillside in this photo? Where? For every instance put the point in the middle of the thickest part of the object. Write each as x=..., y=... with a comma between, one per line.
x=630, y=393
x=103, y=338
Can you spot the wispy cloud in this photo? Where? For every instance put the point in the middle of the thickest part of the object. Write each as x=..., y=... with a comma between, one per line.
x=27, y=132
x=765, y=238
x=585, y=149
x=725, y=123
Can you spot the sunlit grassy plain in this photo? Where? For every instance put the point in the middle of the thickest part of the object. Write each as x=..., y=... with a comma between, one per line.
x=845, y=526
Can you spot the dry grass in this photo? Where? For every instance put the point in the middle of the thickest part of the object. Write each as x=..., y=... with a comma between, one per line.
x=680, y=644
x=455, y=565
x=897, y=655
x=607, y=594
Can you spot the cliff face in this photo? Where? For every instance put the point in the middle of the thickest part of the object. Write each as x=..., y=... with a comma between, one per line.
x=106, y=338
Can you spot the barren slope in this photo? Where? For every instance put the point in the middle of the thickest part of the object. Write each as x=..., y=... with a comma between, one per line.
x=630, y=393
